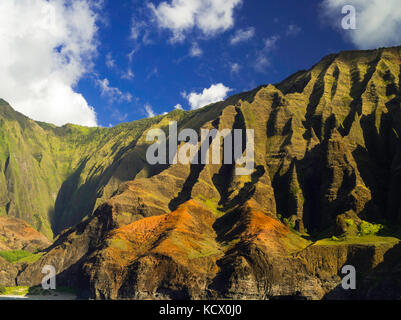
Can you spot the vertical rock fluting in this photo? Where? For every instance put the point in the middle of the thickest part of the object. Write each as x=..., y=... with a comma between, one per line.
x=327, y=149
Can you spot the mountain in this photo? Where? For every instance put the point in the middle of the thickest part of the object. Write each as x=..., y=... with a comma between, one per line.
x=52, y=177
x=16, y=234
x=324, y=193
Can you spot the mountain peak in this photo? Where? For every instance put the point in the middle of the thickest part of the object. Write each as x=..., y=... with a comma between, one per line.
x=326, y=163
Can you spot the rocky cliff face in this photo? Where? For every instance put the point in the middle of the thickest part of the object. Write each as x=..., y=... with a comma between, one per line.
x=53, y=177
x=16, y=234
x=327, y=158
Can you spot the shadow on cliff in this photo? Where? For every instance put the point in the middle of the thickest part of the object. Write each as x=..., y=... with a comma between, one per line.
x=382, y=282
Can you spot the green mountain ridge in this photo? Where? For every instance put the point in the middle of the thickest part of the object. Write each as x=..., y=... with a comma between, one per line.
x=51, y=176
x=324, y=193
x=70, y=170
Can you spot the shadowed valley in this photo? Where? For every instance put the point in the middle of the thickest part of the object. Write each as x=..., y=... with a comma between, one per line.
x=324, y=193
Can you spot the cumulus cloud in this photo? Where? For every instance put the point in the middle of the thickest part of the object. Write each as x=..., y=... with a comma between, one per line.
x=262, y=56
x=113, y=93
x=181, y=16
x=216, y=92
x=178, y=107
x=195, y=50
x=235, y=67
x=243, y=35
x=270, y=43
x=128, y=75
x=293, y=30
x=110, y=62
x=149, y=111
x=140, y=31
x=378, y=21
x=45, y=49
x=137, y=27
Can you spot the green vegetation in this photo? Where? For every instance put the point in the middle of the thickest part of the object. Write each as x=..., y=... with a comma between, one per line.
x=14, y=291
x=34, y=291
x=213, y=205
x=72, y=164
x=288, y=223
x=20, y=256
x=365, y=240
x=349, y=222
x=367, y=233
x=119, y=244
x=14, y=255
x=67, y=162
x=203, y=252
x=366, y=228
x=323, y=137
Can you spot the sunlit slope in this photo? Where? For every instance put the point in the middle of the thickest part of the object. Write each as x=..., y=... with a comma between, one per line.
x=327, y=160
x=52, y=177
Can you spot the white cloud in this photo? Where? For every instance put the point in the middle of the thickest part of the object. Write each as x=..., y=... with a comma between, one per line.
x=243, y=35
x=262, y=62
x=114, y=94
x=235, y=67
x=293, y=30
x=195, y=50
x=45, y=49
x=132, y=53
x=378, y=21
x=129, y=74
x=216, y=92
x=137, y=27
x=270, y=43
x=262, y=56
x=149, y=111
x=140, y=31
x=178, y=107
x=181, y=16
x=110, y=62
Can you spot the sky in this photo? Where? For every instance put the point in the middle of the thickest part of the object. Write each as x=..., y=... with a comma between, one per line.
x=103, y=62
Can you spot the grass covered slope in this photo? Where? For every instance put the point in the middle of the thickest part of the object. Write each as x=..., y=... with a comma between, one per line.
x=20, y=256
x=53, y=176
x=327, y=159
x=16, y=234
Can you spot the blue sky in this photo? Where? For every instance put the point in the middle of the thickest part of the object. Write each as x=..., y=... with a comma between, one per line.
x=103, y=62
x=164, y=70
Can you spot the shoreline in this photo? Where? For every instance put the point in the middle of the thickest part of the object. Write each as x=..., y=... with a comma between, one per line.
x=57, y=296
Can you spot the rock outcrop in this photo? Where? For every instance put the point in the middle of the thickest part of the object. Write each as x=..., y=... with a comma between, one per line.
x=327, y=159
x=16, y=234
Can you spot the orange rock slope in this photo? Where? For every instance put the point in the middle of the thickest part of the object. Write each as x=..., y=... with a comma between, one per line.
x=16, y=234
x=188, y=243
